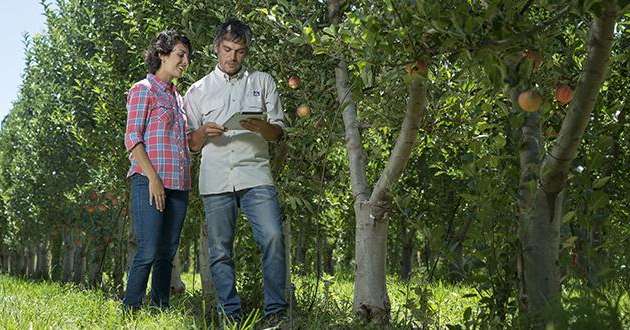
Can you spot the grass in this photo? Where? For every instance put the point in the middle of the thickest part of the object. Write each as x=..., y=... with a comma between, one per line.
x=45, y=305
x=49, y=305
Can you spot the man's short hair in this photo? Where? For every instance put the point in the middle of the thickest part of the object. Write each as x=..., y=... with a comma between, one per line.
x=235, y=31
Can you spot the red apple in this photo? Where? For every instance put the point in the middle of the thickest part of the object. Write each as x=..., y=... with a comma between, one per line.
x=530, y=101
x=303, y=111
x=564, y=94
x=294, y=82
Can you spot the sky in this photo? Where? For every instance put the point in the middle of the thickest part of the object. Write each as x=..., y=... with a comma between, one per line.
x=16, y=18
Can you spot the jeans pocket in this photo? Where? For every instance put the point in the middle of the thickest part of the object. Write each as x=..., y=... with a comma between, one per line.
x=264, y=192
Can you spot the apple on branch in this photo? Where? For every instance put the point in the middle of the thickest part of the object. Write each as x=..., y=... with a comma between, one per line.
x=529, y=101
x=294, y=82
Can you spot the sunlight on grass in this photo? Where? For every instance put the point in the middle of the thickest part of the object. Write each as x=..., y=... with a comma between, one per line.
x=40, y=305
x=322, y=304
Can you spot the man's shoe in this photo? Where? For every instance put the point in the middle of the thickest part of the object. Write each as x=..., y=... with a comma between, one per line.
x=275, y=321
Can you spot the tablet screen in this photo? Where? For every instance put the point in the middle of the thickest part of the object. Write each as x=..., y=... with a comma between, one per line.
x=234, y=121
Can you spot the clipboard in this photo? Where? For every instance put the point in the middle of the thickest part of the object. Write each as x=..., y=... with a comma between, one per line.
x=234, y=123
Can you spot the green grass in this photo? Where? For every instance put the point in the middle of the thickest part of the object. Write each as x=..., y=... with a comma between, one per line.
x=45, y=305
x=27, y=304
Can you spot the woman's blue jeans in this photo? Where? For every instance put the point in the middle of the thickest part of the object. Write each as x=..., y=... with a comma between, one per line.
x=157, y=237
x=260, y=206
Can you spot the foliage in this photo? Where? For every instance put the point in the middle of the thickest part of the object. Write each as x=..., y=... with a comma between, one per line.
x=453, y=213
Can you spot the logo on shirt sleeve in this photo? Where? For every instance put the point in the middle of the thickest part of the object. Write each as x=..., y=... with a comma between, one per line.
x=256, y=93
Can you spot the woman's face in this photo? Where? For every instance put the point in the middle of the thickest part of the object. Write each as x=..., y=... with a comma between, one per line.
x=174, y=64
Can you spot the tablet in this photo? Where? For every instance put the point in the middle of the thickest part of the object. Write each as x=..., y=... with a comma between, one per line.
x=235, y=121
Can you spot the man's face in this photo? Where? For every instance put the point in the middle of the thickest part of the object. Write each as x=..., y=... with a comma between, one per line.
x=231, y=55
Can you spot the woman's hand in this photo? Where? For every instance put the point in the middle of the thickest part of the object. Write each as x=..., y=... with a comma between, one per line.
x=156, y=187
x=156, y=193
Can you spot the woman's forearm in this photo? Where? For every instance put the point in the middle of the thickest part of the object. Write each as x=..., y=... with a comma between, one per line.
x=140, y=155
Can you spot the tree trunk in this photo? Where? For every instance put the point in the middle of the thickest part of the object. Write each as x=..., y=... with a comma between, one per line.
x=23, y=261
x=371, y=301
x=185, y=258
x=56, y=255
x=42, y=270
x=407, y=239
x=96, y=258
x=4, y=261
x=68, y=253
x=31, y=260
x=540, y=201
x=119, y=248
x=300, y=252
x=207, y=289
x=177, y=285
x=14, y=262
x=78, y=270
x=328, y=262
x=456, y=260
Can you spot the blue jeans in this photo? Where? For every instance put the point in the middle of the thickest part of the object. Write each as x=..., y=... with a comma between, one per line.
x=157, y=237
x=260, y=205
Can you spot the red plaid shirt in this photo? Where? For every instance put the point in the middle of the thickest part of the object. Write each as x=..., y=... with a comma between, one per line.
x=155, y=118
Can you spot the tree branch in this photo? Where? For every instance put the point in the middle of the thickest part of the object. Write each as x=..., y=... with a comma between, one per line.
x=416, y=106
x=555, y=167
x=356, y=154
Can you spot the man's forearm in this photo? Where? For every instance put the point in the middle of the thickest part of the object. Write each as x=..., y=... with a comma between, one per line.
x=197, y=139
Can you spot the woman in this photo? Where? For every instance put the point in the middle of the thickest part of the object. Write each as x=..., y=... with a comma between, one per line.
x=160, y=168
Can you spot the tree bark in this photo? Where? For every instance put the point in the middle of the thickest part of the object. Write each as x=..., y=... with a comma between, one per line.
x=42, y=269
x=207, y=289
x=300, y=252
x=56, y=254
x=78, y=270
x=4, y=260
x=68, y=253
x=20, y=265
x=407, y=239
x=542, y=181
x=177, y=285
x=96, y=259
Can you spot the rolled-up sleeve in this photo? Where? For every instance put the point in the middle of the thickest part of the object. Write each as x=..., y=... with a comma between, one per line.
x=275, y=114
x=138, y=108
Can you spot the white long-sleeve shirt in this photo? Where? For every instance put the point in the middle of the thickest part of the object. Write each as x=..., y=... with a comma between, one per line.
x=238, y=159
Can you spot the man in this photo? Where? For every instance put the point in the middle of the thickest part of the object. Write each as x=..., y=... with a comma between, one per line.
x=234, y=172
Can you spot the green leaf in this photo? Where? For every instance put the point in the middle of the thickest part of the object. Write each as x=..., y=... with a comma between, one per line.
x=568, y=217
x=601, y=182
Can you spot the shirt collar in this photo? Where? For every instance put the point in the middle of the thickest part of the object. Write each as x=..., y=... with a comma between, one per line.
x=241, y=73
x=162, y=85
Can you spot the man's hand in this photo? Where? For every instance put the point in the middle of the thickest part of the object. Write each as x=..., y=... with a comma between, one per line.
x=198, y=137
x=268, y=131
x=212, y=129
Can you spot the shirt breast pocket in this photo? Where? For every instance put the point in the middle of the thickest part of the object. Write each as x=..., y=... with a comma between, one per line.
x=253, y=104
x=164, y=115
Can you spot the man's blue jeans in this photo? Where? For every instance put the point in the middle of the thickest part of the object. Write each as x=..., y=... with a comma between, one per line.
x=261, y=207
x=157, y=237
